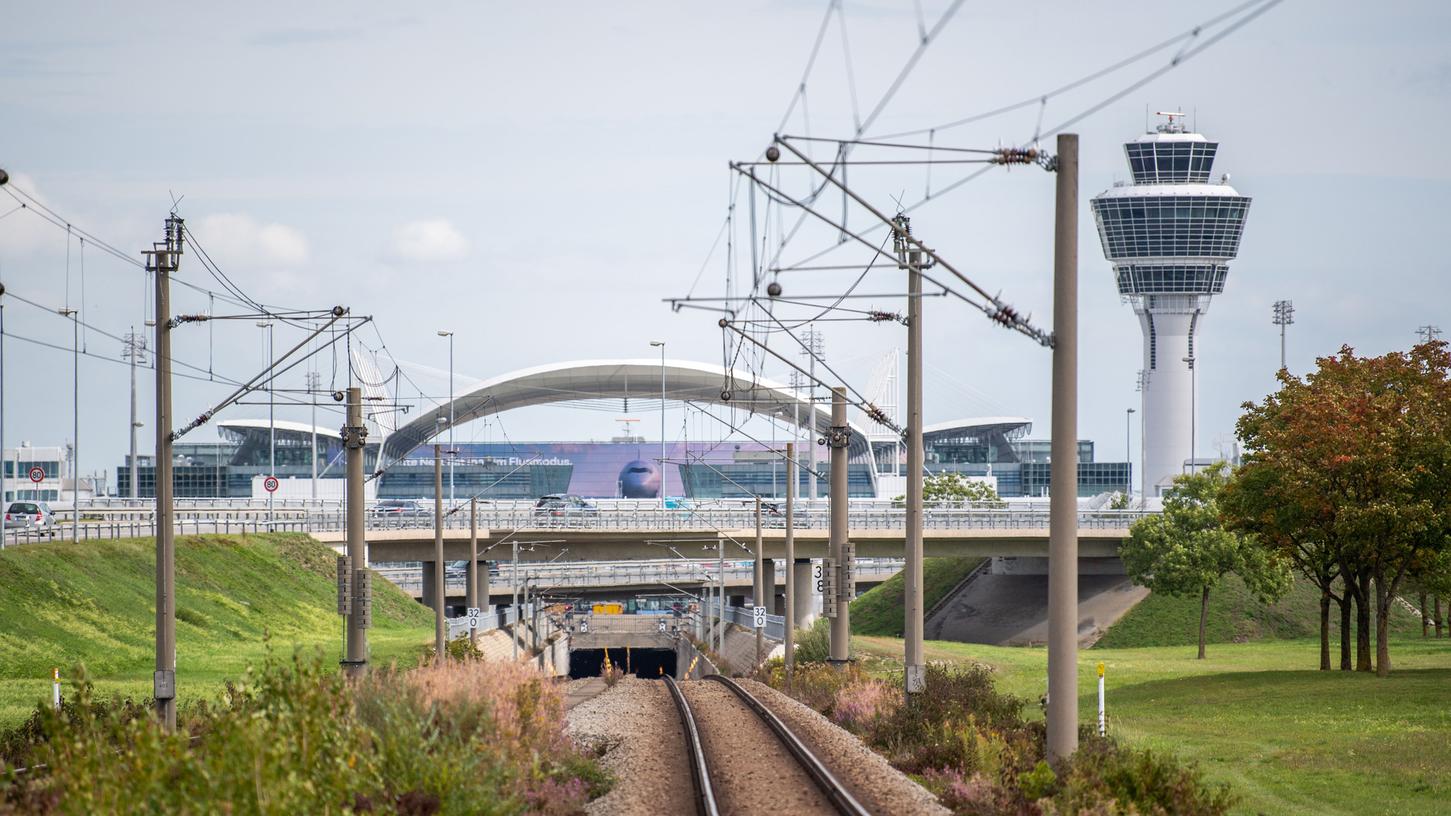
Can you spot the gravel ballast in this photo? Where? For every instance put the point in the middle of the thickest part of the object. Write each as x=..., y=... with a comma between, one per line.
x=634, y=729
x=880, y=788
x=751, y=771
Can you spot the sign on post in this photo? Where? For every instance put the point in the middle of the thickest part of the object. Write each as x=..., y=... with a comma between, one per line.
x=345, y=584
x=269, y=484
x=828, y=587
x=758, y=616
x=37, y=474
x=363, y=597
x=584, y=625
x=660, y=626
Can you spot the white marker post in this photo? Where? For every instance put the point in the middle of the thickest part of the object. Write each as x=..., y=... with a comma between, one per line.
x=55, y=684
x=1101, y=729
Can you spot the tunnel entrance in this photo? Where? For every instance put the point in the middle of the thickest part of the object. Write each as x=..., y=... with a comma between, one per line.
x=649, y=664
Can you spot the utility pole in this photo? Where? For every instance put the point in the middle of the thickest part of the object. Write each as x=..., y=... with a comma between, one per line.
x=2, y=411
x=452, y=450
x=1193, y=413
x=164, y=261
x=359, y=606
x=271, y=419
x=1128, y=450
x=791, y=599
x=134, y=352
x=1063, y=498
x=814, y=347
x=438, y=583
x=909, y=257
x=720, y=595
x=1428, y=333
x=514, y=584
x=841, y=550
x=661, y=345
x=759, y=577
x=76, y=424
x=1284, y=316
x=472, y=573
x=314, y=382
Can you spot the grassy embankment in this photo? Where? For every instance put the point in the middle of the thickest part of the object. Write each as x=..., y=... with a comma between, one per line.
x=1256, y=715
x=878, y=611
x=1235, y=616
x=92, y=603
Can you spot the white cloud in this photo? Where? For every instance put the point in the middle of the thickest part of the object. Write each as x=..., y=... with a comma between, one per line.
x=429, y=240
x=23, y=232
x=234, y=239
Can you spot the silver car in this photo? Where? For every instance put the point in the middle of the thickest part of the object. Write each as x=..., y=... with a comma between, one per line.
x=31, y=517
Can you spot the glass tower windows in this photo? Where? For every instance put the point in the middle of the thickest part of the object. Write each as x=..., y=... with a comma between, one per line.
x=1170, y=226
x=1171, y=162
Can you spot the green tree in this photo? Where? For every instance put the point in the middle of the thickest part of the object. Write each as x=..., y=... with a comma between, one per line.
x=946, y=489
x=1262, y=502
x=1185, y=550
x=1357, y=456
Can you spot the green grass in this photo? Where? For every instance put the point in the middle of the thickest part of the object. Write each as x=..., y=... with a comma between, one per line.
x=1256, y=715
x=1235, y=616
x=92, y=603
x=879, y=610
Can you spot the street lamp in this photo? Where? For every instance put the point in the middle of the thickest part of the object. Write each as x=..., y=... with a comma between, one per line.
x=661, y=344
x=1193, y=407
x=452, y=452
x=1128, y=455
x=271, y=419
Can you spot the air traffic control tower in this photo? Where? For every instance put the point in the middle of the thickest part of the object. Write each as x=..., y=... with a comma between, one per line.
x=1170, y=236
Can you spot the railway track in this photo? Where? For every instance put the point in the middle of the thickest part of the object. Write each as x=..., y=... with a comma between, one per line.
x=718, y=788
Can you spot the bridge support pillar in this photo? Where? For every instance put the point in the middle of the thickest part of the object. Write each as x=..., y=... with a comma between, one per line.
x=430, y=569
x=803, y=591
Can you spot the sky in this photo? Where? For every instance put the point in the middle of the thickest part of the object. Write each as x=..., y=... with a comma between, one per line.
x=538, y=178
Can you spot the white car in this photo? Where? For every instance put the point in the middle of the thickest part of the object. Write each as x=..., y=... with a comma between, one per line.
x=33, y=517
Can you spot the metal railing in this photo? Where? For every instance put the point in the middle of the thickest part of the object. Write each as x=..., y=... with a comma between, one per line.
x=583, y=574
x=127, y=522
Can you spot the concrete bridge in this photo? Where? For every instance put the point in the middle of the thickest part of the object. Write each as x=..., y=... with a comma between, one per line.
x=611, y=535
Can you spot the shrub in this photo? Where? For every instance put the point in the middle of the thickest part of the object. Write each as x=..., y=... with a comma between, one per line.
x=464, y=736
x=1102, y=772
x=813, y=645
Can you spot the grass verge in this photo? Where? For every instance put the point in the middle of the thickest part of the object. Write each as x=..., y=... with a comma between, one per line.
x=65, y=604
x=1286, y=738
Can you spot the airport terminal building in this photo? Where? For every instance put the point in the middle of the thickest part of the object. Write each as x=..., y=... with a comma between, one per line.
x=995, y=448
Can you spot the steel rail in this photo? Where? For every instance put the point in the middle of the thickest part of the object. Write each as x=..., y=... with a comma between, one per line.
x=836, y=793
x=695, y=753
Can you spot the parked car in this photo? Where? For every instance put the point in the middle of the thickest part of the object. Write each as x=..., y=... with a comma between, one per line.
x=35, y=517
x=398, y=507
x=563, y=505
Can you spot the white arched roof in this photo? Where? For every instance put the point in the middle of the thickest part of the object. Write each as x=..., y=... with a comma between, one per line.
x=684, y=380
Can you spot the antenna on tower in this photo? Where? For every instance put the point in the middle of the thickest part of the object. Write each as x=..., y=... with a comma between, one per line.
x=1171, y=126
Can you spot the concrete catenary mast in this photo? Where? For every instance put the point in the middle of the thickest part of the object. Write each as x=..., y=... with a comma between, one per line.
x=1170, y=236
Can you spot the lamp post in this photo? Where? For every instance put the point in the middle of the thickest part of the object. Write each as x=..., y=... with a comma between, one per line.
x=1193, y=409
x=452, y=451
x=1128, y=450
x=76, y=421
x=271, y=420
x=661, y=344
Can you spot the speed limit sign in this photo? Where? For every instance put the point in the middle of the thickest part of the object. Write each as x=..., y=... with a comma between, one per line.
x=37, y=474
x=269, y=484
